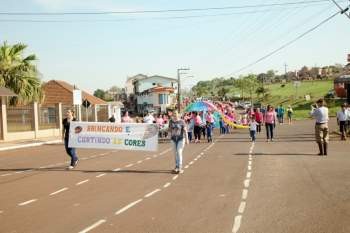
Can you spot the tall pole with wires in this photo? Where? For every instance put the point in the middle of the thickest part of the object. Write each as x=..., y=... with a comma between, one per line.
x=179, y=87
x=285, y=72
x=343, y=11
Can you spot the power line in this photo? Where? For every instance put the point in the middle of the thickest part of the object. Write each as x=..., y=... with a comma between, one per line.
x=286, y=44
x=342, y=11
x=136, y=19
x=162, y=11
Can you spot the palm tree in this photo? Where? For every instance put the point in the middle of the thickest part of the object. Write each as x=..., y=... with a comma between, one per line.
x=19, y=74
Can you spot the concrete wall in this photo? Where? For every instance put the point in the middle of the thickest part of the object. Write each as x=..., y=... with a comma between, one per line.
x=36, y=133
x=46, y=133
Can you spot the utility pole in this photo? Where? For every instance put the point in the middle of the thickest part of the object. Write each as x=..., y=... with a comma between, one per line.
x=285, y=71
x=179, y=87
x=342, y=11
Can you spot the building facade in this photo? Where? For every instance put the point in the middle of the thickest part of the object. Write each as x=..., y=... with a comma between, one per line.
x=151, y=93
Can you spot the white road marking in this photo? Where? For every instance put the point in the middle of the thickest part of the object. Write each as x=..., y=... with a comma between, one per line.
x=167, y=185
x=191, y=162
x=82, y=182
x=242, y=207
x=27, y=202
x=1, y=211
x=155, y=156
x=247, y=183
x=84, y=158
x=148, y=158
x=195, y=159
x=249, y=174
x=7, y=174
x=129, y=165
x=98, y=223
x=249, y=168
x=128, y=207
x=202, y=153
x=187, y=166
x=245, y=194
x=237, y=224
x=250, y=162
x=116, y=170
x=140, y=161
x=175, y=177
x=152, y=193
x=103, y=174
x=58, y=191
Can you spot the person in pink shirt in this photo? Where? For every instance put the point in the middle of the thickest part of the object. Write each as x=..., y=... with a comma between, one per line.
x=259, y=117
x=160, y=121
x=126, y=118
x=270, y=121
x=197, y=127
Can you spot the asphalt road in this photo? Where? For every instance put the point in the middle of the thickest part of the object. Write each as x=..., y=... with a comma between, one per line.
x=231, y=185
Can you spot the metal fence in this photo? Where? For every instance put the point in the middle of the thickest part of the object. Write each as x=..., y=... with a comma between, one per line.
x=102, y=113
x=20, y=118
x=48, y=117
x=87, y=114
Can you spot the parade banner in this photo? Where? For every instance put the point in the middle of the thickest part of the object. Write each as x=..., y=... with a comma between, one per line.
x=101, y=135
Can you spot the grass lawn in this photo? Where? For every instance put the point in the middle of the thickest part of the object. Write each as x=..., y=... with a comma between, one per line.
x=289, y=95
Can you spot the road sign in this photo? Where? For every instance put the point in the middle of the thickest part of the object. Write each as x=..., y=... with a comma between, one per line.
x=77, y=97
x=86, y=103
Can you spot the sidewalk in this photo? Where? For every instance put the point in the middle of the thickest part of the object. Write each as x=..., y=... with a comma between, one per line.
x=28, y=143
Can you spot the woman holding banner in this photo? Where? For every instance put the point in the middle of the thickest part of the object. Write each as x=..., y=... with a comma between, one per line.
x=65, y=136
x=178, y=135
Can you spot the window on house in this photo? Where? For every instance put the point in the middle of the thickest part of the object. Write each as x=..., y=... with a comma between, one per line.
x=163, y=98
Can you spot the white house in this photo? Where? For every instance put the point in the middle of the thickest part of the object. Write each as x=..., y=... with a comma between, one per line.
x=152, y=92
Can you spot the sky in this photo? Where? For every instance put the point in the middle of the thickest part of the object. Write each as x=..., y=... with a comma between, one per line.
x=100, y=51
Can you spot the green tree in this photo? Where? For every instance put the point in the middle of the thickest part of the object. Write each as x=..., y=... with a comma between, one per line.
x=19, y=74
x=251, y=84
x=99, y=93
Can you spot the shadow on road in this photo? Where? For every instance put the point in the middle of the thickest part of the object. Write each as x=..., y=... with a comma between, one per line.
x=54, y=169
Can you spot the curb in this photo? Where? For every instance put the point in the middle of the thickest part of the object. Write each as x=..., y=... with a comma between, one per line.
x=30, y=145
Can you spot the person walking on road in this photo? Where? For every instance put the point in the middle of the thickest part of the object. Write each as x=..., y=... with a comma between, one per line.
x=280, y=114
x=149, y=119
x=289, y=114
x=320, y=113
x=270, y=122
x=65, y=136
x=178, y=136
x=258, y=118
x=197, y=127
x=252, y=128
x=342, y=117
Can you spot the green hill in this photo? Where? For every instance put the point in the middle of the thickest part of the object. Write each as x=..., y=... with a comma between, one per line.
x=288, y=94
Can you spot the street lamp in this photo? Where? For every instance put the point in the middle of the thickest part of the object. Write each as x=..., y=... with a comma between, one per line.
x=179, y=87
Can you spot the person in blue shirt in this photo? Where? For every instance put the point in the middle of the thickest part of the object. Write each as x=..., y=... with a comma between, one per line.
x=280, y=114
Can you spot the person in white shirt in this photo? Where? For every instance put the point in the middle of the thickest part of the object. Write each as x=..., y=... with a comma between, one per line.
x=342, y=117
x=320, y=113
x=252, y=128
x=149, y=119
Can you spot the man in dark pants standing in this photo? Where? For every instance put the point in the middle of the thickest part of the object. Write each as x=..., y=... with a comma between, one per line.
x=65, y=136
x=320, y=113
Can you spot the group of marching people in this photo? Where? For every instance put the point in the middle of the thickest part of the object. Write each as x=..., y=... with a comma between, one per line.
x=200, y=125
